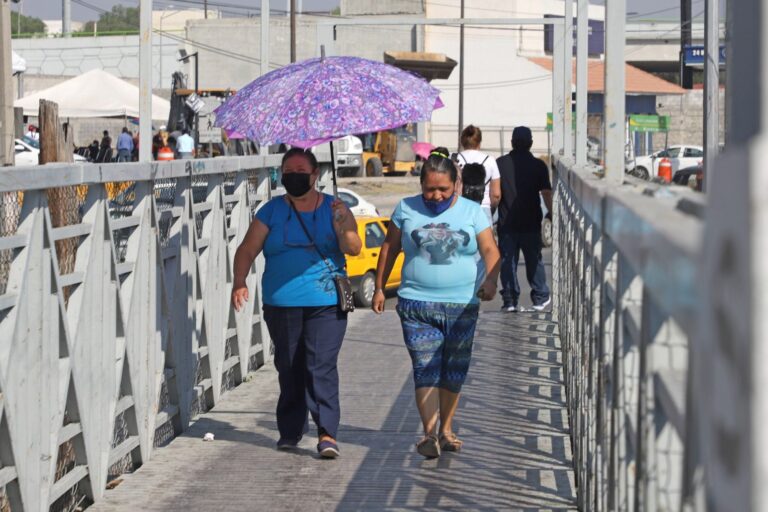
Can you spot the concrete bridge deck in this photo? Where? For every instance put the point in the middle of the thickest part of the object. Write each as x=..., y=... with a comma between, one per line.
x=517, y=452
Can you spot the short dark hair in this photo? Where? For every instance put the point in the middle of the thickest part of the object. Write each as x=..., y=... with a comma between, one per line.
x=310, y=156
x=185, y=131
x=471, y=137
x=522, y=144
x=125, y=129
x=106, y=133
x=441, y=164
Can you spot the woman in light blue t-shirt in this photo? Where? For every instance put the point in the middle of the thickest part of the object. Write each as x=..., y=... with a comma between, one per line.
x=303, y=236
x=441, y=235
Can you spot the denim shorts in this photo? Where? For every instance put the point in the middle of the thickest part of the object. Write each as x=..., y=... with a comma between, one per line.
x=439, y=338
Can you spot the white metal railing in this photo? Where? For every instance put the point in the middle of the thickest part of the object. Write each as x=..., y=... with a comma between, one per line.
x=115, y=322
x=626, y=298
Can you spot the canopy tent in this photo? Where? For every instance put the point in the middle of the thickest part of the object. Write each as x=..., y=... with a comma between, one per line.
x=18, y=63
x=95, y=93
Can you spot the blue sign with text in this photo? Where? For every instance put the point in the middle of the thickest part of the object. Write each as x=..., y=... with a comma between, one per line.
x=693, y=55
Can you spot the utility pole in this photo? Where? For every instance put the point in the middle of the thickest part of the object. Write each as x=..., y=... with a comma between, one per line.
x=293, y=30
x=6, y=87
x=205, y=7
x=66, y=18
x=686, y=20
x=615, y=96
x=461, y=76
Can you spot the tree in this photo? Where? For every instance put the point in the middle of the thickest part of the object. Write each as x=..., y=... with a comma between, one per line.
x=21, y=24
x=119, y=19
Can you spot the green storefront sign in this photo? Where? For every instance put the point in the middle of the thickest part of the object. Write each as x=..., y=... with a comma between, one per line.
x=550, y=122
x=648, y=123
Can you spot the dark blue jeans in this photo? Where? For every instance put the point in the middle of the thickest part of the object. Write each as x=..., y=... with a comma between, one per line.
x=307, y=344
x=511, y=244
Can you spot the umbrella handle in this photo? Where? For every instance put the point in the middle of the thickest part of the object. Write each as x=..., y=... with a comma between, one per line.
x=333, y=173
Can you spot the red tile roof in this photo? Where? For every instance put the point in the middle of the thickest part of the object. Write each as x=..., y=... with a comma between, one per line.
x=638, y=81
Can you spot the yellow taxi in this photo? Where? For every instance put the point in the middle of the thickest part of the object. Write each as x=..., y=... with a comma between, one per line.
x=362, y=268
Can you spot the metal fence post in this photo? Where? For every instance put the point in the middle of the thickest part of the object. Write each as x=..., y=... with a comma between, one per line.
x=614, y=95
x=568, y=79
x=581, y=82
x=558, y=107
x=145, y=81
x=711, y=85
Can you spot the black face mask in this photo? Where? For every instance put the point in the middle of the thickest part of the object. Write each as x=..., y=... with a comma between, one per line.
x=296, y=183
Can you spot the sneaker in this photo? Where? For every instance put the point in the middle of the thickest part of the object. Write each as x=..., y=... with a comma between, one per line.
x=328, y=449
x=543, y=305
x=509, y=308
x=287, y=444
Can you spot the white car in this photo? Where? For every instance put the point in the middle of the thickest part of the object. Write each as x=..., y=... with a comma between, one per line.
x=28, y=152
x=647, y=167
x=359, y=206
x=349, y=154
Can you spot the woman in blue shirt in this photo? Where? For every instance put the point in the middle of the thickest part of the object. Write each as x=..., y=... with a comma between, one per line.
x=299, y=296
x=441, y=233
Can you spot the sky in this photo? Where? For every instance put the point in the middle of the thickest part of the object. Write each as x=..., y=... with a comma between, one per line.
x=84, y=10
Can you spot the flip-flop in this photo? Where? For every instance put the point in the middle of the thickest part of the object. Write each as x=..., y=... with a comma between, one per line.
x=450, y=443
x=429, y=447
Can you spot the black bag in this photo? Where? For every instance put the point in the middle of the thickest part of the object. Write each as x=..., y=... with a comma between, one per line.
x=344, y=293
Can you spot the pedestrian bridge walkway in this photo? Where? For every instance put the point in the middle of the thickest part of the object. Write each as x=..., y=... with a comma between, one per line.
x=517, y=451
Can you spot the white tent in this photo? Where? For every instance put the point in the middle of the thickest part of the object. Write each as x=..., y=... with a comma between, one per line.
x=18, y=63
x=95, y=93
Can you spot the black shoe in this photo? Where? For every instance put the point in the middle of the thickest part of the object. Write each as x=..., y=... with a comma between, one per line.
x=288, y=444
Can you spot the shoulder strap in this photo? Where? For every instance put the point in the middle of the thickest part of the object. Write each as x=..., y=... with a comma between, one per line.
x=309, y=236
x=463, y=158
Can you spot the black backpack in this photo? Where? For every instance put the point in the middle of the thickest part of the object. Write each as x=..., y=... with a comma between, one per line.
x=481, y=163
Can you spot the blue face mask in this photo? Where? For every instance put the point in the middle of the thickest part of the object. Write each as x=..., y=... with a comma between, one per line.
x=438, y=207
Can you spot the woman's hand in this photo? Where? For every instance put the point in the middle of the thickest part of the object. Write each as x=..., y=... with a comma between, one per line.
x=239, y=296
x=341, y=214
x=378, y=302
x=487, y=290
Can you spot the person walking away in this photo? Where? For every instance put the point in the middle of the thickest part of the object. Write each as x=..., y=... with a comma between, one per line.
x=124, y=146
x=93, y=150
x=471, y=138
x=438, y=300
x=304, y=236
x=523, y=179
x=185, y=145
x=106, y=141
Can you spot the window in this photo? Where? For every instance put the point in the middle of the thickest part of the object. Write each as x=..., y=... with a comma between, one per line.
x=374, y=235
x=348, y=199
x=693, y=153
x=673, y=152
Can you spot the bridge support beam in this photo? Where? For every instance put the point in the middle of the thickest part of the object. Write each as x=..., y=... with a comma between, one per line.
x=615, y=86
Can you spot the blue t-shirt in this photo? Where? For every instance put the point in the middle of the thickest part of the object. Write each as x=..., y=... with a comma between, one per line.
x=440, y=250
x=295, y=274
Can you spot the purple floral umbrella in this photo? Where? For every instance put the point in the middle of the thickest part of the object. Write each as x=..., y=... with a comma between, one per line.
x=320, y=100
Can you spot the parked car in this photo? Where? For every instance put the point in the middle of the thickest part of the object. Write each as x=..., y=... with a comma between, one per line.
x=362, y=268
x=28, y=152
x=357, y=204
x=683, y=177
x=647, y=167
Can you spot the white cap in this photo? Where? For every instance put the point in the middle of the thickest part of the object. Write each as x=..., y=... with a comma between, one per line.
x=162, y=127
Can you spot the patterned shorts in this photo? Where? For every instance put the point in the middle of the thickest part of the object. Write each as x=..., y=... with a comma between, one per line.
x=439, y=338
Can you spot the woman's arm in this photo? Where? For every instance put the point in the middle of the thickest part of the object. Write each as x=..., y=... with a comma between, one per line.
x=387, y=256
x=252, y=245
x=495, y=192
x=490, y=253
x=345, y=225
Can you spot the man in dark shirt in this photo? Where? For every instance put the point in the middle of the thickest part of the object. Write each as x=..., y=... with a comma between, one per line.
x=523, y=178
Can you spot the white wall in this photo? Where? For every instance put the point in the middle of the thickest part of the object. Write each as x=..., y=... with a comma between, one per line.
x=119, y=55
x=502, y=87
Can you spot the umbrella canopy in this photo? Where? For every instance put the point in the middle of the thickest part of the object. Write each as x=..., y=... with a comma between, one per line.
x=319, y=100
x=95, y=93
x=422, y=149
